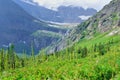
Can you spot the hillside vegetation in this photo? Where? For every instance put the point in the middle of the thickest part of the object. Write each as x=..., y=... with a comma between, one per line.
x=91, y=51
x=95, y=59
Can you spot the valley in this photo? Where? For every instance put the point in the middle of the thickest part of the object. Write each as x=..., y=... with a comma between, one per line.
x=77, y=62
x=54, y=50
x=17, y=27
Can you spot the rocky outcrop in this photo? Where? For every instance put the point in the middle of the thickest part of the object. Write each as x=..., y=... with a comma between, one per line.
x=105, y=20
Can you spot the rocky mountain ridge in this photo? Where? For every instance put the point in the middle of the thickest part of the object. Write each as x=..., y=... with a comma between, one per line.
x=64, y=14
x=105, y=21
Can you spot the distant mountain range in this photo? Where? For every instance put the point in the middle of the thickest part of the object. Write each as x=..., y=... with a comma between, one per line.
x=22, y=29
x=24, y=23
x=64, y=14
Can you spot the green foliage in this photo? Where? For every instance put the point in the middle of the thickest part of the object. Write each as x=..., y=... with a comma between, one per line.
x=95, y=59
x=114, y=16
x=41, y=33
x=2, y=60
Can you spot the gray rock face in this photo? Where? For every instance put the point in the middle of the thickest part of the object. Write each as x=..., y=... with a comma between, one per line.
x=105, y=20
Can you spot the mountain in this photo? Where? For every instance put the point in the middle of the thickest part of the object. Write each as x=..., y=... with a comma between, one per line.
x=18, y=27
x=64, y=14
x=105, y=21
x=95, y=55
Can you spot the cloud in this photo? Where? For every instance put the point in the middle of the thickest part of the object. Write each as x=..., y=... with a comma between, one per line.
x=54, y=4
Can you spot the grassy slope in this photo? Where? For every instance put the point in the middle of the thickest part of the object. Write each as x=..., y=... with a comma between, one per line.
x=92, y=67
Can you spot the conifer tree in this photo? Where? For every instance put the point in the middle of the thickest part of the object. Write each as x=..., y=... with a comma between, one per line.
x=2, y=60
x=102, y=50
x=84, y=52
x=11, y=55
x=95, y=48
x=32, y=52
x=24, y=58
x=22, y=63
x=8, y=58
x=79, y=50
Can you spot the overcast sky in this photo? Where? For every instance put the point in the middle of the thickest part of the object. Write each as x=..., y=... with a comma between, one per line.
x=54, y=4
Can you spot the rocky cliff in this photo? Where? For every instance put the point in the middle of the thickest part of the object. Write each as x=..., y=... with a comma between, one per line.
x=106, y=20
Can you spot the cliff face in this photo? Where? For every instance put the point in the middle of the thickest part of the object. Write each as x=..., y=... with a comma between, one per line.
x=106, y=20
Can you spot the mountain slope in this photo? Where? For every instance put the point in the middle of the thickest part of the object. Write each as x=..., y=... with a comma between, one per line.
x=91, y=58
x=83, y=61
x=106, y=20
x=62, y=15
x=17, y=26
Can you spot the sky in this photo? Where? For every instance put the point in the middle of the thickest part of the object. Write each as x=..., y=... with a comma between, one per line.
x=54, y=4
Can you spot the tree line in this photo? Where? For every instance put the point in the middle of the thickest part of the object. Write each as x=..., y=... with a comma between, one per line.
x=10, y=60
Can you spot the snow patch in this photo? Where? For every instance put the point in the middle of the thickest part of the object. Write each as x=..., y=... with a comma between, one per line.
x=84, y=17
